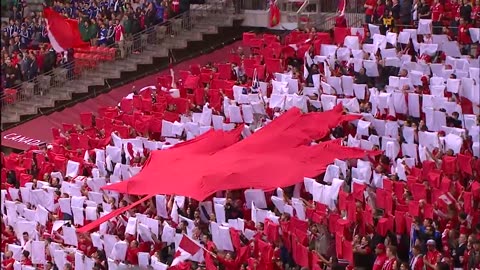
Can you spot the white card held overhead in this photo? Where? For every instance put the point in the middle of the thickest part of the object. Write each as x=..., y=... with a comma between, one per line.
x=373, y=29
x=392, y=38
x=352, y=42
x=474, y=34
x=404, y=37
x=256, y=196
x=371, y=68
x=424, y=27
x=221, y=237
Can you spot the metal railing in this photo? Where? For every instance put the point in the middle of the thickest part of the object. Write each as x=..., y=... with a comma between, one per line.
x=320, y=13
x=353, y=20
x=301, y=21
x=88, y=61
x=254, y=4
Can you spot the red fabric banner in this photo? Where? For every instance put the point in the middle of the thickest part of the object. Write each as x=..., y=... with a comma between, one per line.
x=110, y=215
x=277, y=155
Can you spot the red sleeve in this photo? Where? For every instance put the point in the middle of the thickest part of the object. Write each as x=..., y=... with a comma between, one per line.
x=144, y=246
x=242, y=255
x=420, y=264
x=228, y=264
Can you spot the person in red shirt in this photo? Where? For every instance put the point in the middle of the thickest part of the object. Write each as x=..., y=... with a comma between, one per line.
x=452, y=11
x=26, y=259
x=437, y=15
x=8, y=260
x=476, y=14
x=379, y=11
x=132, y=253
x=369, y=10
x=231, y=263
x=8, y=237
x=464, y=36
x=416, y=263
x=119, y=31
x=85, y=244
x=381, y=257
x=432, y=256
x=391, y=261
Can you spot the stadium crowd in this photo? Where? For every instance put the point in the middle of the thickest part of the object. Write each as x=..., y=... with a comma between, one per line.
x=416, y=206
x=447, y=16
x=25, y=46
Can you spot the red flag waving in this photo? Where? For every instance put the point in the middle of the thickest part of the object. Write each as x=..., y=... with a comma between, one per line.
x=274, y=14
x=189, y=245
x=63, y=33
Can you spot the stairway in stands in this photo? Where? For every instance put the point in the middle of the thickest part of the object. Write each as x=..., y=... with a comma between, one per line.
x=182, y=37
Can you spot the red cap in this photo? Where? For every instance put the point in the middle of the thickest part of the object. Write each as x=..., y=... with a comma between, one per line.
x=380, y=246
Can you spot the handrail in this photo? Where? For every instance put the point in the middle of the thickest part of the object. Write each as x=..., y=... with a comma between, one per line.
x=359, y=21
x=415, y=24
x=327, y=21
x=300, y=11
x=303, y=6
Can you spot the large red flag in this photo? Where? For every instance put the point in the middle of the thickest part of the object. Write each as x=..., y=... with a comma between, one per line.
x=63, y=33
x=274, y=14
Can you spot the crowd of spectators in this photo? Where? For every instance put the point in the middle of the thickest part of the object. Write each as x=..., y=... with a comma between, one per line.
x=25, y=48
x=416, y=206
x=447, y=16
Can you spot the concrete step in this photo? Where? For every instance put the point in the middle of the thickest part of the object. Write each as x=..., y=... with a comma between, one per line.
x=127, y=66
x=10, y=117
x=111, y=74
x=120, y=65
x=47, y=102
x=156, y=51
x=145, y=60
x=80, y=86
x=79, y=89
x=216, y=22
x=112, y=70
x=61, y=95
x=224, y=20
x=23, y=107
x=107, y=71
x=194, y=35
x=207, y=28
x=226, y=23
x=93, y=80
x=175, y=43
x=148, y=57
